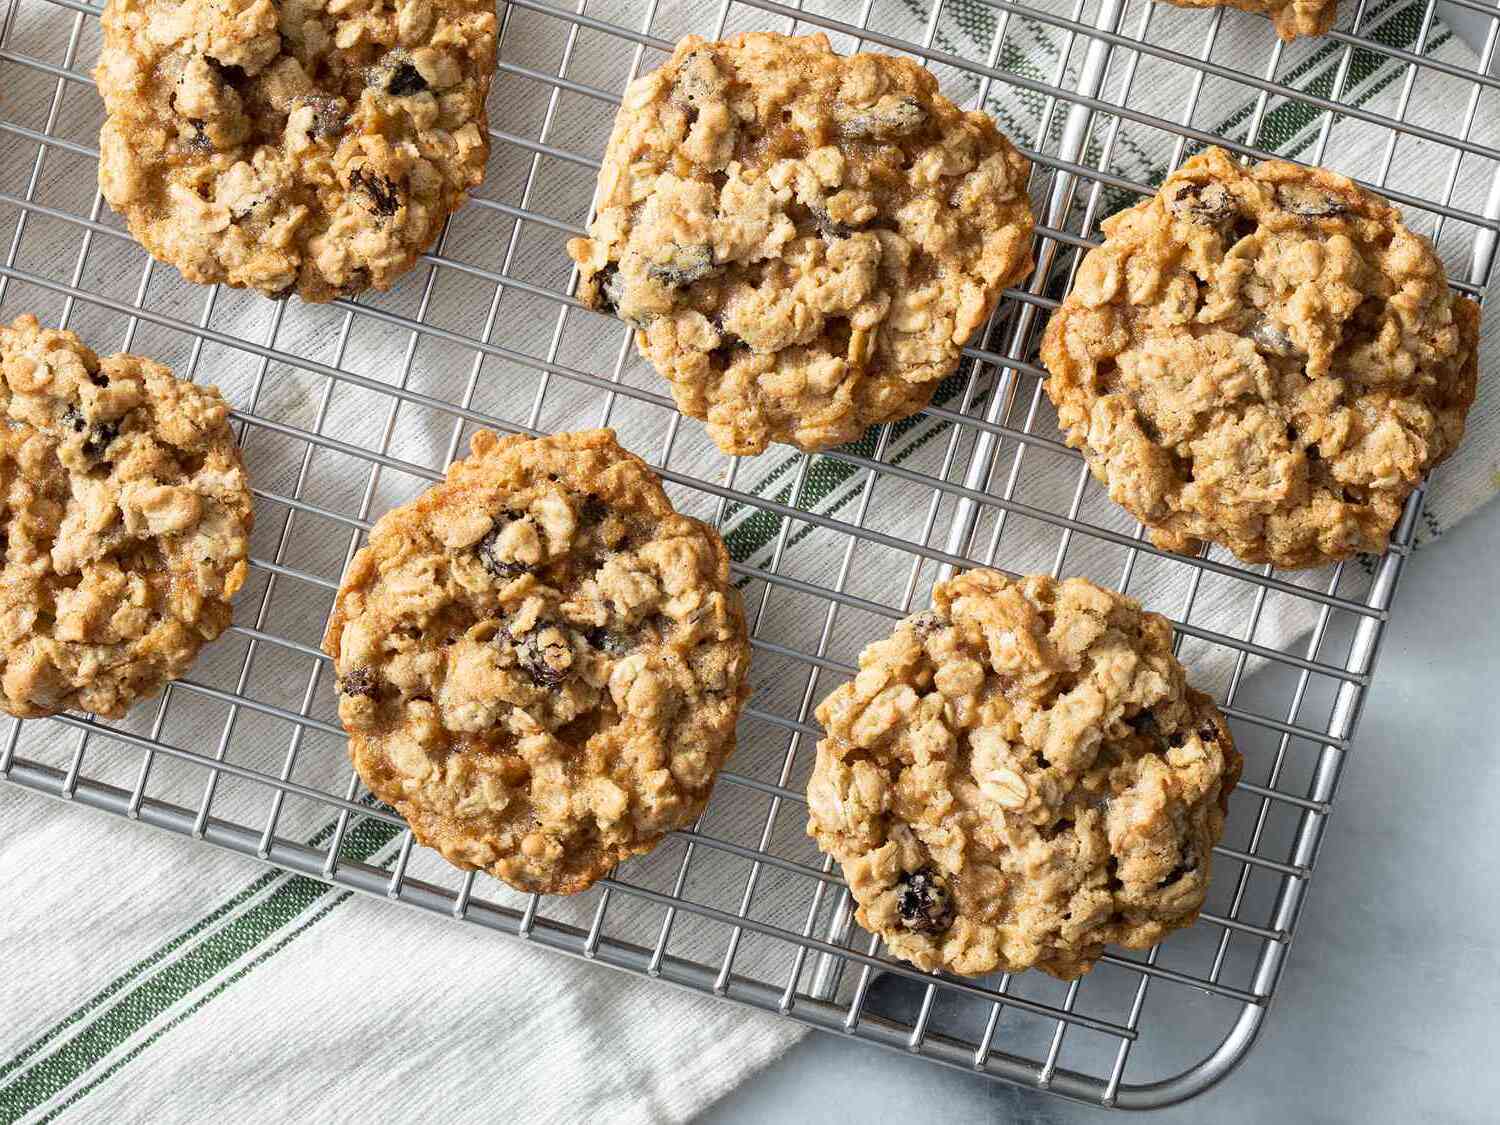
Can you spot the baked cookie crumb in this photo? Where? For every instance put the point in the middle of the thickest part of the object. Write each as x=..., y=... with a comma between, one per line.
x=1291, y=18
x=1019, y=776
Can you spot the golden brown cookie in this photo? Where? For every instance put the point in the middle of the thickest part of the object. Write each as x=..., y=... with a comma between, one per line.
x=288, y=145
x=1021, y=775
x=803, y=241
x=1263, y=357
x=540, y=663
x=124, y=520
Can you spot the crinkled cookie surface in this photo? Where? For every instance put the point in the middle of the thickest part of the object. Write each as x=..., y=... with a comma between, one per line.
x=1263, y=357
x=1291, y=18
x=293, y=146
x=804, y=241
x=125, y=517
x=540, y=663
x=1019, y=776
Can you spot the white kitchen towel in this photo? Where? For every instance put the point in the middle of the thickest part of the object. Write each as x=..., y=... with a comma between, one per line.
x=145, y=977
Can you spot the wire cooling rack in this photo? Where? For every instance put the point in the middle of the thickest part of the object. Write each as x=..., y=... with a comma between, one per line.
x=348, y=408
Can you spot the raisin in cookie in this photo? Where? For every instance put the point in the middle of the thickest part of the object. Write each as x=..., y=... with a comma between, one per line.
x=1019, y=776
x=1265, y=358
x=803, y=241
x=293, y=146
x=1291, y=18
x=540, y=663
x=124, y=521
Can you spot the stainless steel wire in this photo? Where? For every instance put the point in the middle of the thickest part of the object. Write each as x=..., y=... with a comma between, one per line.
x=246, y=753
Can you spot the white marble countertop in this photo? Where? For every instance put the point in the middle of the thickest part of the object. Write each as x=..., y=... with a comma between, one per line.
x=1396, y=1018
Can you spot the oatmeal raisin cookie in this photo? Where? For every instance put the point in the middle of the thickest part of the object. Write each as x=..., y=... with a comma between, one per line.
x=124, y=520
x=291, y=145
x=540, y=663
x=1264, y=357
x=1019, y=776
x=803, y=241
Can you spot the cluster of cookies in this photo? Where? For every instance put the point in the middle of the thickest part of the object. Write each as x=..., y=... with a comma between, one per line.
x=539, y=662
x=1261, y=357
x=541, y=665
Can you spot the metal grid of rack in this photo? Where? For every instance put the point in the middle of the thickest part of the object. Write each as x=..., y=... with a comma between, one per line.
x=347, y=408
